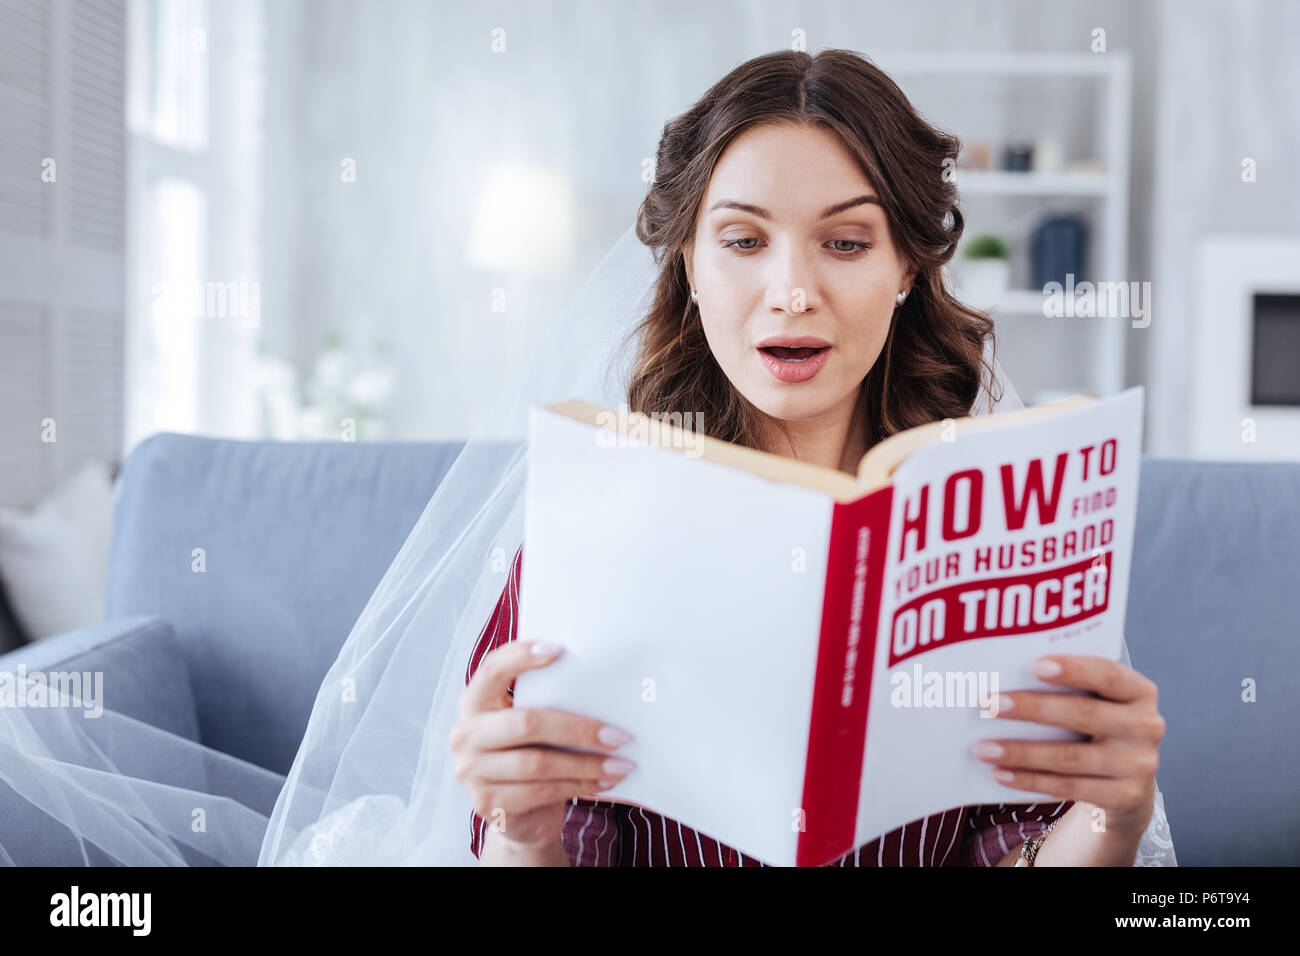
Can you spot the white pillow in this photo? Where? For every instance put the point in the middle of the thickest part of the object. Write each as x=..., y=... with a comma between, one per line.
x=54, y=557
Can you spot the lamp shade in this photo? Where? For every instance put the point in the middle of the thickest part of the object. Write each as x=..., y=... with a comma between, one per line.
x=523, y=223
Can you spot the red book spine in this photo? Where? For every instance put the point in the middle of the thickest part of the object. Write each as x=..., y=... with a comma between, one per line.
x=837, y=733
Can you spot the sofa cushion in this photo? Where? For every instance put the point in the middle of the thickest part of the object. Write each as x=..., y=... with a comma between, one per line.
x=54, y=556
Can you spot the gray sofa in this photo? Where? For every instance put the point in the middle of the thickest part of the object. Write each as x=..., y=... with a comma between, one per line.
x=295, y=536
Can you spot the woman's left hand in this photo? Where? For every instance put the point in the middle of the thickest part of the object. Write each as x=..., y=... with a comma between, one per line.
x=1116, y=768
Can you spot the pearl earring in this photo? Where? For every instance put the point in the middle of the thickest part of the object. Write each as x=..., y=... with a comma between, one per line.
x=900, y=297
x=695, y=296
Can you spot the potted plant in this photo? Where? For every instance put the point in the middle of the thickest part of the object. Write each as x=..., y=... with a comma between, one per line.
x=984, y=271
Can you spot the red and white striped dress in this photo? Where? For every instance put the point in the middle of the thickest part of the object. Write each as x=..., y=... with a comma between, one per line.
x=603, y=833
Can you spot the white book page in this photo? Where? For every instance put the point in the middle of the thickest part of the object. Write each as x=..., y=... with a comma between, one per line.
x=688, y=598
x=924, y=712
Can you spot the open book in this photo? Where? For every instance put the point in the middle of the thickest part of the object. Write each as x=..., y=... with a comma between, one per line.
x=801, y=656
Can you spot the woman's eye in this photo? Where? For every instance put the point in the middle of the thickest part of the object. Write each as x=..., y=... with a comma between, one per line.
x=845, y=246
x=853, y=245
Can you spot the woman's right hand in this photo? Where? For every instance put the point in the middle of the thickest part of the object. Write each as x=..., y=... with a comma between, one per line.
x=504, y=756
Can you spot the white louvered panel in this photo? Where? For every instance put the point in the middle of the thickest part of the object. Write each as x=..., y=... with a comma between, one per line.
x=90, y=377
x=62, y=79
x=27, y=399
x=96, y=148
x=26, y=105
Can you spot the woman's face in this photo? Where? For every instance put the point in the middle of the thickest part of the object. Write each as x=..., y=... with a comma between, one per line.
x=792, y=244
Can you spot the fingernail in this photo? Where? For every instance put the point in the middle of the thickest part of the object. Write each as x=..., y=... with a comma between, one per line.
x=1045, y=668
x=1006, y=776
x=617, y=765
x=1002, y=702
x=542, y=649
x=613, y=737
x=987, y=748
x=605, y=784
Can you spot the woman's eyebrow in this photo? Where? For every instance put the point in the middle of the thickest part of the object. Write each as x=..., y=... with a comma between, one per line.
x=764, y=214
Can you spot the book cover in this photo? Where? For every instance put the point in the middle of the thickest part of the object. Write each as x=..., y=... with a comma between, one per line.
x=800, y=654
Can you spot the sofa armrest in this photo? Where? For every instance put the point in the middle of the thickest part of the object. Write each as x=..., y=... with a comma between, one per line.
x=144, y=678
x=144, y=675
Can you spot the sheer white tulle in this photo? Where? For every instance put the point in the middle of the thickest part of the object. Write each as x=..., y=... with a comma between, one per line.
x=373, y=782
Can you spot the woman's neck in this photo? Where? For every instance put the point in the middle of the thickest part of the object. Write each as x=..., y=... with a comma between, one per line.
x=836, y=440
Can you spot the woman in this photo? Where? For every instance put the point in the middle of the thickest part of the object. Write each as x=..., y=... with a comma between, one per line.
x=398, y=752
x=801, y=216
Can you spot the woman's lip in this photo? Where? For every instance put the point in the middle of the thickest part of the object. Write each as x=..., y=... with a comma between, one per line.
x=800, y=342
x=794, y=372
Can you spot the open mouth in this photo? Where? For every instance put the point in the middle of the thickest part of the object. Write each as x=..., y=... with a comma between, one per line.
x=792, y=356
x=794, y=365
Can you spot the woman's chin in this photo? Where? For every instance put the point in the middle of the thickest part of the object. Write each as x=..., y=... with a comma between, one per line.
x=780, y=402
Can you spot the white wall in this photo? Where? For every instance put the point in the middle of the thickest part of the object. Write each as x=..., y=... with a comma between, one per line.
x=412, y=92
x=1228, y=87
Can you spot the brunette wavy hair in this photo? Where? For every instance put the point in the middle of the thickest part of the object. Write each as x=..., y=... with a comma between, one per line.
x=933, y=361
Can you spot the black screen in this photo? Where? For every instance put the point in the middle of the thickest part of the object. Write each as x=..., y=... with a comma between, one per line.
x=1275, y=350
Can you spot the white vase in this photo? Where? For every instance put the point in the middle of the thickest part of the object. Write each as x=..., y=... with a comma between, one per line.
x=982, y=283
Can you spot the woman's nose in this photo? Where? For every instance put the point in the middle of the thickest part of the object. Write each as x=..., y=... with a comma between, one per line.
x=792, y=294
x=791, y=285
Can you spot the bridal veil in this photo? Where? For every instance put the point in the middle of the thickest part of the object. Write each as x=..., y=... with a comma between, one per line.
x=372, y=782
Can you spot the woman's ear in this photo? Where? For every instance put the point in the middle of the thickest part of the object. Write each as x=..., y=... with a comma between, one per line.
x=688, y=256
x=908, y=278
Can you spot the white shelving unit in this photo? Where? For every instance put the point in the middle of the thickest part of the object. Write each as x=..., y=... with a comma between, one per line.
x=1108, y=189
